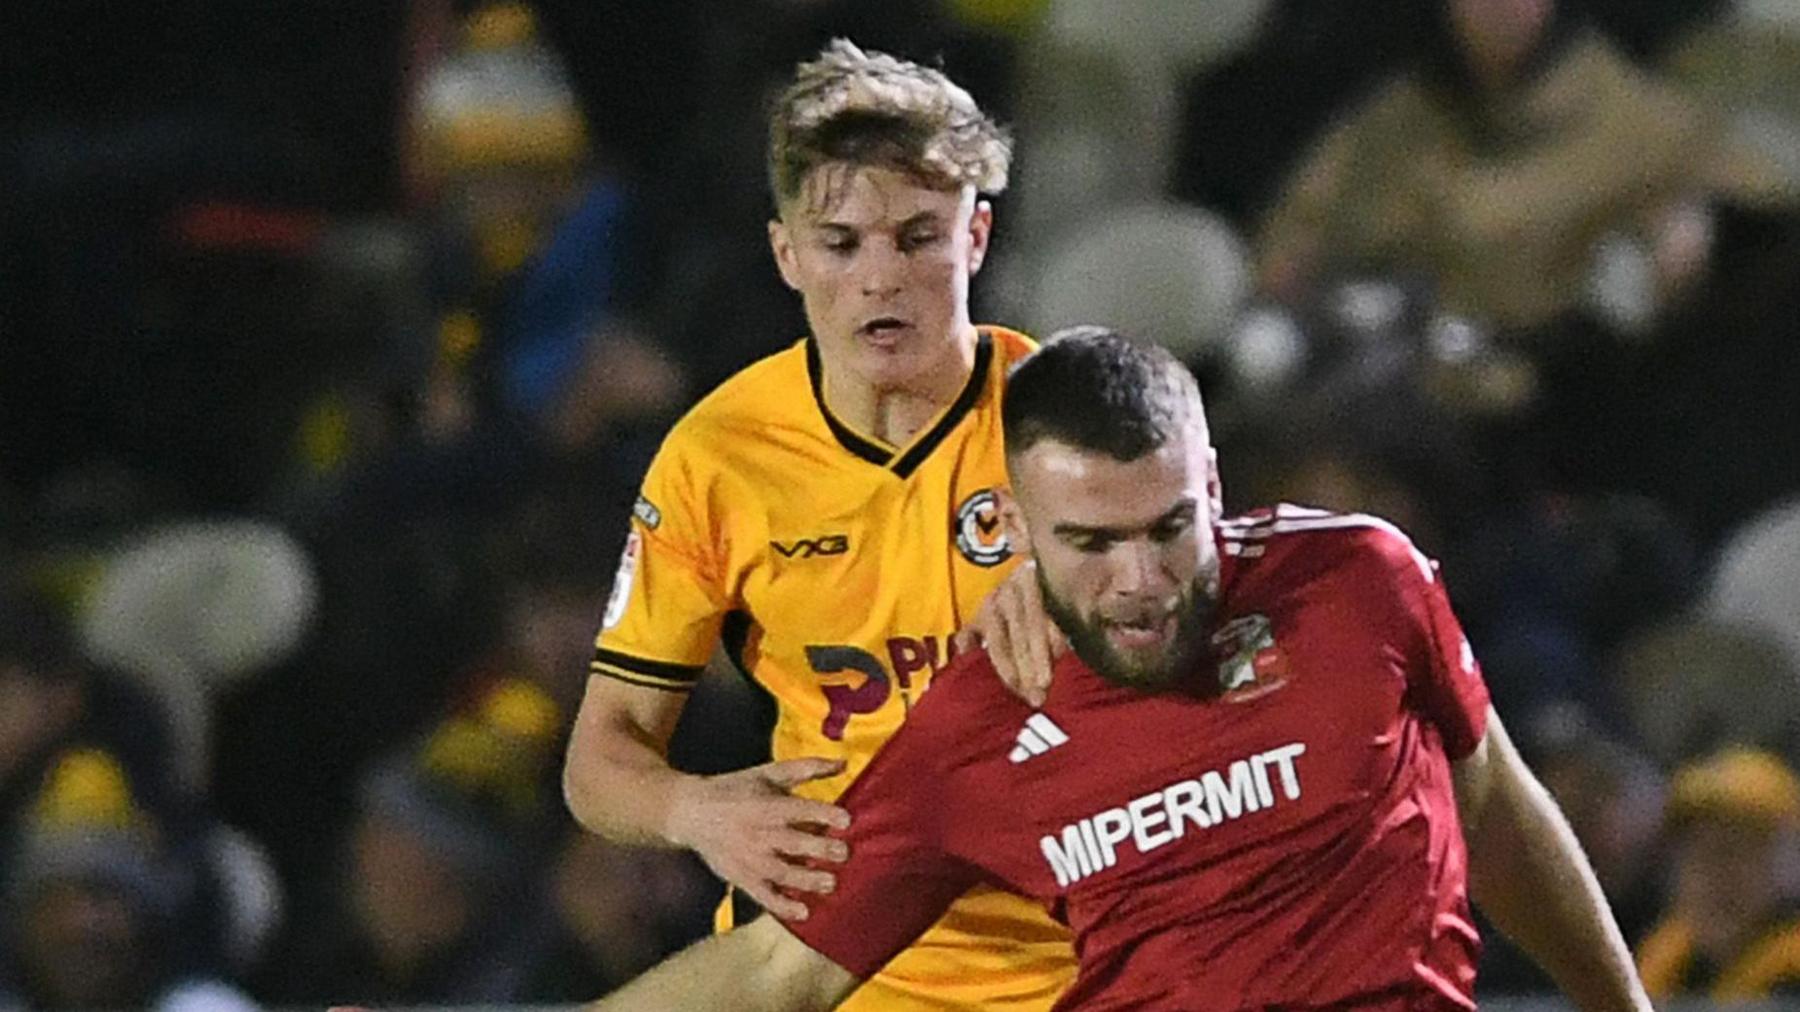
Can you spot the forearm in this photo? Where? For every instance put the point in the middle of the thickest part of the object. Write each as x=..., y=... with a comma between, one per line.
x=757, y=968
x=1528, y=874
x=618, y=783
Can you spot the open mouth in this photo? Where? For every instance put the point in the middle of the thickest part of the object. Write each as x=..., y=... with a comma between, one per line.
x=882, y=327
x=1141, y=631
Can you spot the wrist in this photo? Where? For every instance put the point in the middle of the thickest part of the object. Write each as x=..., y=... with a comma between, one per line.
x=679, y=810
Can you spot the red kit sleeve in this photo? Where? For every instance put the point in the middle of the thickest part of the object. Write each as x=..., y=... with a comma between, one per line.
x=898, y=880
x=1444, y=679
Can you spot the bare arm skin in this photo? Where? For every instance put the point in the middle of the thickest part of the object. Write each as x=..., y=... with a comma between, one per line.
x=744, y=825
x=760, y=967
x=1528, y=874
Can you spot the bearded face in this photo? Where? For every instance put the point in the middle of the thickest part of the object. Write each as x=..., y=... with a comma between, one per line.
x=1125, y=553
x=1145, y=646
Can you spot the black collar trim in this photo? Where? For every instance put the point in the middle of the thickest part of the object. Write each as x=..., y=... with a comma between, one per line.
x=965, y=401
x=909, y=461
x=815, y=370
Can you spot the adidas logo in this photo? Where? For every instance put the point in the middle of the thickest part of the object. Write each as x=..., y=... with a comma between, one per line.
x=1039, y=735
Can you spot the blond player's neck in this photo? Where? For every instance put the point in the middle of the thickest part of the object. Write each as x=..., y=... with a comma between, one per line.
x=895, y=414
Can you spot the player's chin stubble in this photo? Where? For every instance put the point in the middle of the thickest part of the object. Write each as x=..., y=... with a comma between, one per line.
x=1173, y=666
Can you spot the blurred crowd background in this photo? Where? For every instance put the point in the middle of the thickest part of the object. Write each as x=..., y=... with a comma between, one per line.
x=334, y=338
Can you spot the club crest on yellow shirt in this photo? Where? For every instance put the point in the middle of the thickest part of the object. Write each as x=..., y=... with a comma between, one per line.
x=980, y=534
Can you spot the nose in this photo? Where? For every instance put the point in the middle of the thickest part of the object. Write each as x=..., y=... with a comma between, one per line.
x=1138, y=570
x=880, y=273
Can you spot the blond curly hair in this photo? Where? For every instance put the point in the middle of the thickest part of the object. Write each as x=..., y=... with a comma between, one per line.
x=855, y=107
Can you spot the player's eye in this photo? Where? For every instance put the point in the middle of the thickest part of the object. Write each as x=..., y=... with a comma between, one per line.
x=840, y=244
x=1171, y=529
x=1091, y=544
x=919, y=239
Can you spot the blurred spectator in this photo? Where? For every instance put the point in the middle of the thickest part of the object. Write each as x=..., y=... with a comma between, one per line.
x=1691, y=686
x=611, y=913
x=552, y=561
x=447, y=834
x=93, y=897
x=1756, y=583
x=534, y=226
x=1559, y=585
x=50, y=697
x=1347, y=444
x=40, y=694
x=1732, y=932
x=1613, y=797
x=1497, y=163
x=186, y=609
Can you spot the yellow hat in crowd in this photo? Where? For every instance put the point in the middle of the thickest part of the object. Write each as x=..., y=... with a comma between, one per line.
x=501, y=100
x=1740, y=785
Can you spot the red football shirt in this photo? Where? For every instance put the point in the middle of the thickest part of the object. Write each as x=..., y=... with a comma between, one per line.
x=1291, y=840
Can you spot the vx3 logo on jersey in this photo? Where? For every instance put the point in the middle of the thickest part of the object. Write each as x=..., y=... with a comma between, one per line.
x=806, y=548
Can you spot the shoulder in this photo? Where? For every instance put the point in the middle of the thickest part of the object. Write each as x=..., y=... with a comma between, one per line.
x=1009, y=345
x=1286, y=535
x=761, y=391
x=766, y=394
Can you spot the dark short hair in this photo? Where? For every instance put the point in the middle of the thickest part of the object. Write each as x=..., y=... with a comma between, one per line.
x=1093, y=389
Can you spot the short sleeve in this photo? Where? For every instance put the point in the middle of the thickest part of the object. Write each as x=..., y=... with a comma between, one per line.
x=899, y=878
x=668, y=599
x=1446, y=679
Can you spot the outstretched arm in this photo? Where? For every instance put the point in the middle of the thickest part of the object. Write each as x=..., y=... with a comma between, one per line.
x=1528, y=874
x=760, y=967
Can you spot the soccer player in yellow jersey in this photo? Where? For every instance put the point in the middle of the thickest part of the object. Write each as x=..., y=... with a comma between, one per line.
x=830, y=515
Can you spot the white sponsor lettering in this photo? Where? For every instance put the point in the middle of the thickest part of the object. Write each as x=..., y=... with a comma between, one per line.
x=1230, y=801
x=1091, y=845
x=1146, y=814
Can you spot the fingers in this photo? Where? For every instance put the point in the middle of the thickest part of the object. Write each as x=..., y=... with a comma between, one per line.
x=800, y=879
x=815, y=847
x=792, y=772
x=997, y=638
x=965, y=638
x=786, y=908
x=1035, y=682
x=1018, y=637
x=1039, y=636
x=1025, y=664
x=807, y=812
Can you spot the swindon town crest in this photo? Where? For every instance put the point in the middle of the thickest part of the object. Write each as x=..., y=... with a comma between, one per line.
x=1250, y=662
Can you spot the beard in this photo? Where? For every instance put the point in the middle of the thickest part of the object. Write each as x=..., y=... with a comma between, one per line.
x=1154, y=670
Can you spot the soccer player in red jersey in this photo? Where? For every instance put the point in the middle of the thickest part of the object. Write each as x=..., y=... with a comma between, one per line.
x=1267, y=775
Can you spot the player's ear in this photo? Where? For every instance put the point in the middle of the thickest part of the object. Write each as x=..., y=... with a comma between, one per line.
x=981, y=229
x=781, y=242
x=1012, y=521
x=1215, y=490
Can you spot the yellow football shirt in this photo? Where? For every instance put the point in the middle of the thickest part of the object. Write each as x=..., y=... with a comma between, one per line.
x=837, y=568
